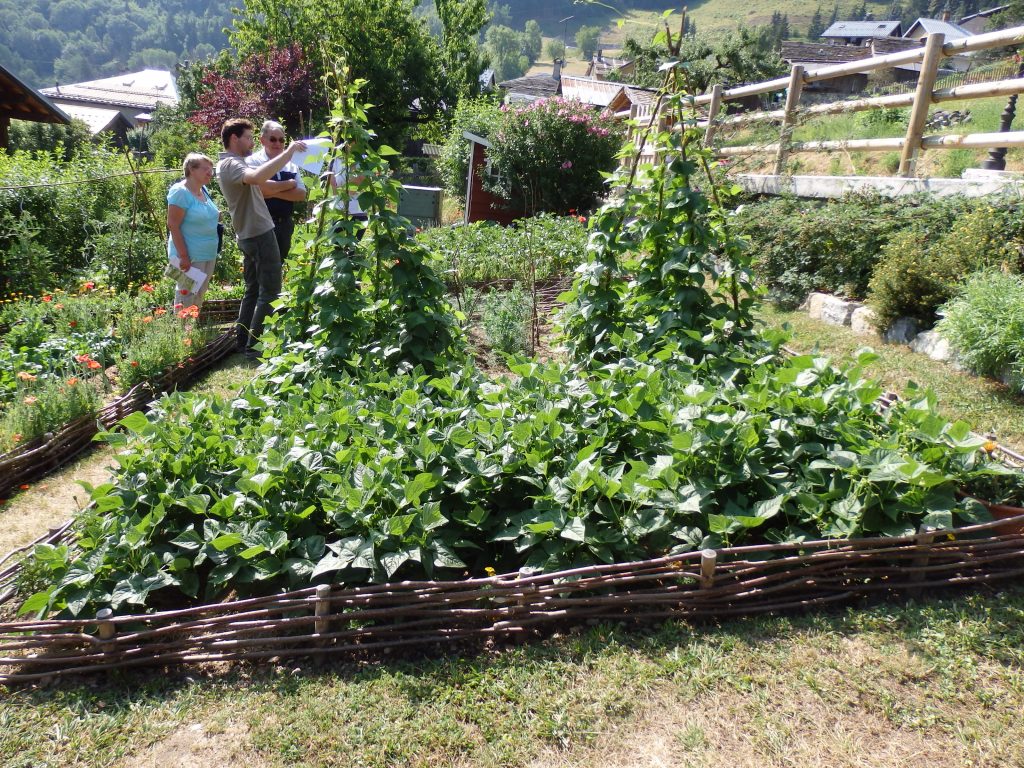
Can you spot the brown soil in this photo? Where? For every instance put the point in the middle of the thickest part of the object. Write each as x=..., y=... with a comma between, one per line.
x=198, y=746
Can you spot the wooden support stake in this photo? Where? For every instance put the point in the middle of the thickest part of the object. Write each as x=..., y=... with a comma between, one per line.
x=708, y=561
x=925, y=541
x=321, y=609
x=922, y=103
x=713, y=109
x=107, y=630
x=796, y=86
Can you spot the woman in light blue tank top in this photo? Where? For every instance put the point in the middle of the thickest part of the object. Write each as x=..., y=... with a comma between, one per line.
x=192, y=227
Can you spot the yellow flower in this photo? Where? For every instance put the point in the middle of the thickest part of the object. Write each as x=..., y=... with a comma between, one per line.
x=489, y=571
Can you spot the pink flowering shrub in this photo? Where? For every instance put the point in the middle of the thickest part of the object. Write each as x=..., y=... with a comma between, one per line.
x=550, y=154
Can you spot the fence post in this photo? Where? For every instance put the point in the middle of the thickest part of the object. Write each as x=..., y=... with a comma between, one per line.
x=713, y=108
x=796, y=86
x=708, y=561
x=321, y=609
x=922, y=103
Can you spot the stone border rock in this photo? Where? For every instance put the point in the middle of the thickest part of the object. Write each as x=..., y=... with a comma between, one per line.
x=836, y=310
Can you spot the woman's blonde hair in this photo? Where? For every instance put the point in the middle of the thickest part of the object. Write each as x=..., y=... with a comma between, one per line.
x=192, y=160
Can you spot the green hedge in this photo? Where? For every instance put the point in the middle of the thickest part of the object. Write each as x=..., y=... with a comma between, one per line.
x=57, y=226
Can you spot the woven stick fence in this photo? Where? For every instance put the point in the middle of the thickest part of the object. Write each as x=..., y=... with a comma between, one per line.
x=373, y=619
x=41, y=456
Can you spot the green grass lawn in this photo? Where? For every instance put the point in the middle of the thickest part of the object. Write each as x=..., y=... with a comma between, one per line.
x=936, y=683
x=989, y=406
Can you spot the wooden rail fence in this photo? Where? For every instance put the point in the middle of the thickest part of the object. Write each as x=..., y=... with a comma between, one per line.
x=920, y=100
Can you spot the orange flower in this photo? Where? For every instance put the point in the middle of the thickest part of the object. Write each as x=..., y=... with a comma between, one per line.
x=47, y=298
x=159, y=311
x=58, y=306
x=147, y=319
x=93, y=365
x=89, y=286
x=989, y=446
x=84, y=358
x=187, y=342
x=73, y=381
x=582, y=219
x=135, y=363
x=147, y=288
x=30, y=400
x=16, y=437
x=26, y=376
x=24, y=487
x=73, y=323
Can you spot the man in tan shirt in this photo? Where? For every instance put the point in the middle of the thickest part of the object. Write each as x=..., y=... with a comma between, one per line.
x=254, y=227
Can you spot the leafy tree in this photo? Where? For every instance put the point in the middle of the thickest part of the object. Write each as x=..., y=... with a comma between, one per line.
x=278, y=83
x=505, y=49
x=587, y=40
x=532, y=39
x=554, y=49
x=47, y=137
x=384, y=42
x=744, y=56
x=461, y=59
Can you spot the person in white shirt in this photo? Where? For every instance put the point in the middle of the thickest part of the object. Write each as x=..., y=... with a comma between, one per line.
x=338, y=182
x=281, y=198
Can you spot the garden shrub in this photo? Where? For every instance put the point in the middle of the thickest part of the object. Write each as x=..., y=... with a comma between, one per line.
x=985, y=325
x=920, y=269
x=506, y=317
x=800, y=246
x=551, y=155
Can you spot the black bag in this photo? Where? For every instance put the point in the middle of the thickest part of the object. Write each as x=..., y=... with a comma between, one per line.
x=220, y=236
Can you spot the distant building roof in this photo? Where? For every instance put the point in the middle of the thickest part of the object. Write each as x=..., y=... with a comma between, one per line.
x=98, y=118
x=862, y=29
x=600, y=65
x=796, y=52
x=143, y=90
x=923, y=27
x=884, y=45
x=590, y=91
x=531, y=87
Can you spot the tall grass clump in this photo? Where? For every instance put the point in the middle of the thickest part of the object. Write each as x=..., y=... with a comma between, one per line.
x=985, y=324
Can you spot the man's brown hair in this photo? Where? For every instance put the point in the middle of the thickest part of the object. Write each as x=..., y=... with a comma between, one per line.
x=234, y=127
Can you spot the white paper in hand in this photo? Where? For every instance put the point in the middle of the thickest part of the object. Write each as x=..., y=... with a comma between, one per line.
x=311, y=160
x=194, y=274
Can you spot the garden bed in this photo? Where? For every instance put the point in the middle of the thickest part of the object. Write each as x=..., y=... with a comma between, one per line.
x=42, y=455
x=369, y=620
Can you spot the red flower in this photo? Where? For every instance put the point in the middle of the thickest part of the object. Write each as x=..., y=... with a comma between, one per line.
x=135, y=363
x=93, y=365
x=24, y=487
x=73, y=323
x=47, y=298
x=147, y=288
x=184, y=291
x=89, y=286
